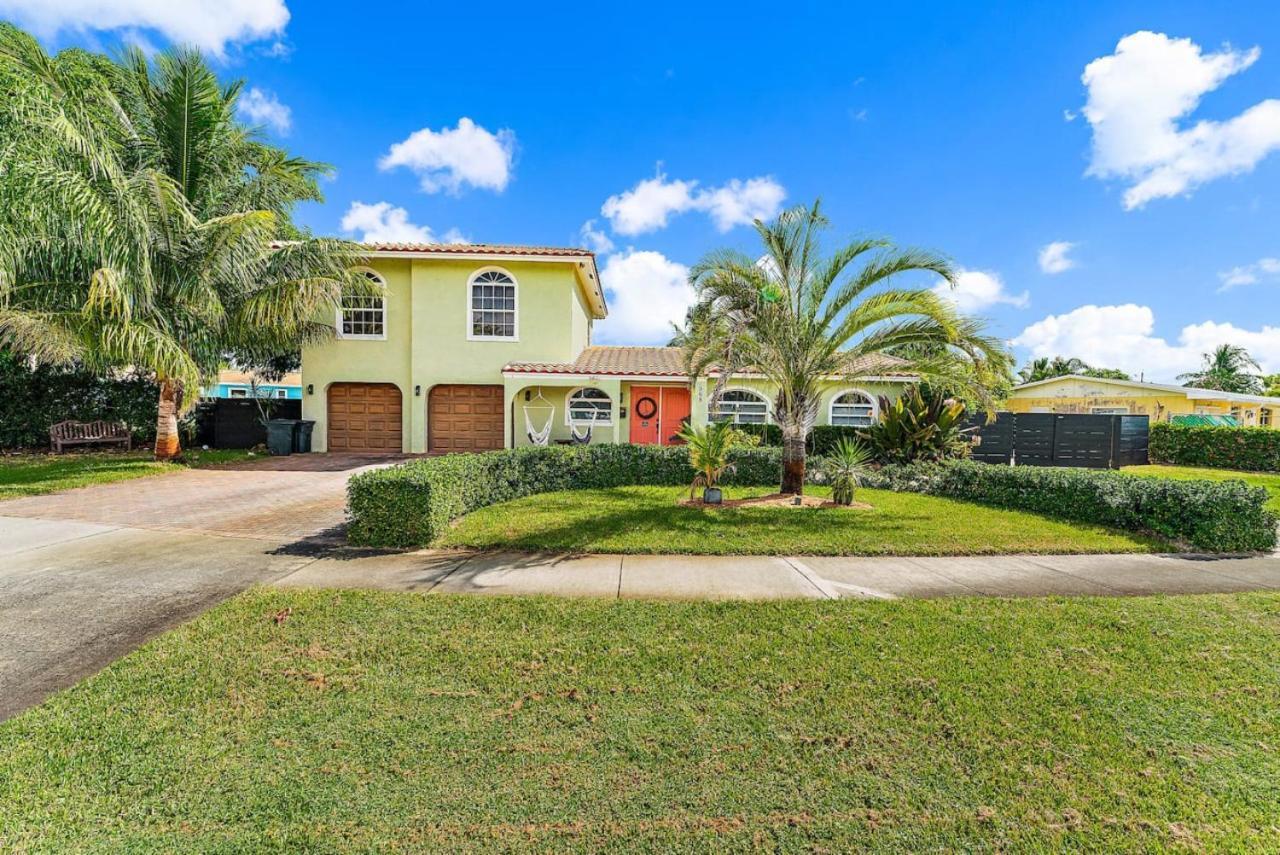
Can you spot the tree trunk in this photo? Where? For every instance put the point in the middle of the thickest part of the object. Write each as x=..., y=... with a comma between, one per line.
x=167, y=444
x=793, y=458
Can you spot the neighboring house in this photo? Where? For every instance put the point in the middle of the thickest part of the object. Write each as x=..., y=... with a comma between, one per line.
x=475, y=346
x=1075, y=393
x=239, y=384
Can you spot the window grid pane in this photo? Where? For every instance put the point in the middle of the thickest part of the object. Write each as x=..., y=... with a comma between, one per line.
x=363, y=315
x=586, y=402
x=740, y=408
x=493, y=306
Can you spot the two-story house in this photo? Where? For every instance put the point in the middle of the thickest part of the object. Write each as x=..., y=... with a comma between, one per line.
x=475, y=347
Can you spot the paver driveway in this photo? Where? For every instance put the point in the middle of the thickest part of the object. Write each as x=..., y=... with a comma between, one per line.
x=89, y=574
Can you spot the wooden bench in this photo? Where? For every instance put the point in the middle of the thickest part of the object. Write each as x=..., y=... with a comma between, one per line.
x=89, y=433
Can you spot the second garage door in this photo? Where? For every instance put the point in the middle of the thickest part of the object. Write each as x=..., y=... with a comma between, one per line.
x=365, y=417
x=464, y=418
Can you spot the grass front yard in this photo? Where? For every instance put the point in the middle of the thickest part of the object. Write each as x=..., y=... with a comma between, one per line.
x=1270, y=480
x=648, y=520
x=400, y=722
x=36, y=474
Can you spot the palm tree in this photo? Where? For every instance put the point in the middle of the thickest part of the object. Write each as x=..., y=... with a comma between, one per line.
x=1045, y=368
x=1229, y=368
x=137, y=220
x=800, y=318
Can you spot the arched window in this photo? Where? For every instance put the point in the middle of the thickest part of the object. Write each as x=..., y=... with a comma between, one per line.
x=853, y=409
x=588, y=406
x=364, y=315
x=491, y=306
x=740, y=406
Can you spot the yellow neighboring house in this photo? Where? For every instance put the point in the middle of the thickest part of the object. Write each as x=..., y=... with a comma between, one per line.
x=1076, y=393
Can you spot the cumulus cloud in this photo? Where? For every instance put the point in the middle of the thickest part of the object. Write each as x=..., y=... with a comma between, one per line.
x=595, y=239
x=452, y=158
x=259, y=107
x=1250, y=274
x=1138, y=98
x=648, y=206
x=1054, y=257
x=208, y=25
x=976, y=290
x=382, y=222
x=647, y=293
x=1124, y=337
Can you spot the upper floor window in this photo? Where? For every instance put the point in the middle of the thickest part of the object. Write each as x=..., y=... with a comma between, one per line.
x=492, y=306
x=364, y=315
x=588, y=406
x=740, y=406
x=853, y=409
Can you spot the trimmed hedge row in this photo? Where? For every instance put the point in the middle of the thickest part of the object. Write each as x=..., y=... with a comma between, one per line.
x=822, y=438
x=1227, y=516
x=413, y=503
x=1254, y=449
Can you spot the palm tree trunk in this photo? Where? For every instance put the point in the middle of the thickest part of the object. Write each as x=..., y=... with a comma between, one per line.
x=167, y=444
x=793, y=457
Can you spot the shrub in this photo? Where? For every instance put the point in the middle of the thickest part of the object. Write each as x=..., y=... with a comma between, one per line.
x=823, y=439
x=912, y=429
x=413, y=503
x=1226, y=516
x=1254, y=449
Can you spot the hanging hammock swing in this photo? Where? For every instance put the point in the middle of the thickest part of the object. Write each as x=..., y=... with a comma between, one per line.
x=577, y=437
x=541, y=436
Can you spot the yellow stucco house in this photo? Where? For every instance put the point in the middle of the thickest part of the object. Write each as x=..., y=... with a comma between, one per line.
x=1076, y=393
x=478, y=346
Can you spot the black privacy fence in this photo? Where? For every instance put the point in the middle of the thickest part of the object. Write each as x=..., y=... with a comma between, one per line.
x=1066, y=439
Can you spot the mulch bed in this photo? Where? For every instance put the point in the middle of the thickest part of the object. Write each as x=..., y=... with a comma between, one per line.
x=774, y=500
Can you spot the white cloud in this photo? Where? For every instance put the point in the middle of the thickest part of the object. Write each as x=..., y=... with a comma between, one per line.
x=595, y=239
x=451, y=158
x=647, y=293
x=208, y=25
x=1250, y=274
x=260, y=107
x=647, y=206
x=1139, y=95
x=1054, y=257
x=976, y=290
x=382, y=222
x=1123, y=337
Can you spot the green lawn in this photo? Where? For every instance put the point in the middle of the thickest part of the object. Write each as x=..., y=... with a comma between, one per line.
x=1270, y=480
x=370, y=721
x=35, y=474
x=647, y=519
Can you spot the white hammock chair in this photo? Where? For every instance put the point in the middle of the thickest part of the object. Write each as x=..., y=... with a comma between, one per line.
x=539, y=437
x=582, y=437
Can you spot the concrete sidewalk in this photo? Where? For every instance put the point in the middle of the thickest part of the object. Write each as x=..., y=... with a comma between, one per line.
x=767, y=577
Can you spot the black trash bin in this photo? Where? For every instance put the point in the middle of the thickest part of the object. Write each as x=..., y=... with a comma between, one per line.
x=280, y=436
x=302, y=435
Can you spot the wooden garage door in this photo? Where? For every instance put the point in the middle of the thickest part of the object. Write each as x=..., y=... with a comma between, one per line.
x=464, y=418
x=365, y=417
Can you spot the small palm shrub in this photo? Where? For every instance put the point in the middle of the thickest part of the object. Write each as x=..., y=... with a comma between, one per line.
x=914, y=430
x=708, y=453
x=845, y=468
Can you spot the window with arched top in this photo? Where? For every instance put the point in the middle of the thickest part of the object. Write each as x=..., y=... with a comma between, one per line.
x=364, y=316
x=491, y=306
x=740, y=406
x=588, y=405
x=853, y=408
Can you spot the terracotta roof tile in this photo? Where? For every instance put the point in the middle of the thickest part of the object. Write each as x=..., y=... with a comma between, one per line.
x=668, y=362
x=485, y=248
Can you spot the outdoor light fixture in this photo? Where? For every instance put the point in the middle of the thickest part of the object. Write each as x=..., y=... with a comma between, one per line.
x=311, y=388
x=417, y=391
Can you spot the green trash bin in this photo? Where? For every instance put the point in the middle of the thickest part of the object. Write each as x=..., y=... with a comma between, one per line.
x=302, y=435
x=280, y=436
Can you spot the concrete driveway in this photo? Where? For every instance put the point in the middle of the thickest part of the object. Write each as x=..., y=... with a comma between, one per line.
x=89, y=574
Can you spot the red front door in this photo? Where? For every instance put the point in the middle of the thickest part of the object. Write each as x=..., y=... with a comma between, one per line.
x=657, y=414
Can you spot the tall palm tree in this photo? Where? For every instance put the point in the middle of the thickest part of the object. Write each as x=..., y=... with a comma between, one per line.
x=1045, y=368
x=1229, y=368
x=801, y=318
x=138, y=219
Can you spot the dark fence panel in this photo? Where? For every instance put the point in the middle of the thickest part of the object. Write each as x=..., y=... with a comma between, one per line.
x=1050, y=439
x=237, y=422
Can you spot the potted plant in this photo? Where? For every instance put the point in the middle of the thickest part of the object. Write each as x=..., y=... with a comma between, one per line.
x=846, y=466
x=709, y=456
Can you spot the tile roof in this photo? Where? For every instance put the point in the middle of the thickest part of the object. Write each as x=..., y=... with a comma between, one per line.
x=479, y=248
x=669, y=362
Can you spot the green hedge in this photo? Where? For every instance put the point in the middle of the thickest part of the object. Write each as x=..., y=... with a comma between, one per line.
x=413, y=503
x=822, y=438
x=1227, y=516
x=1253, y=449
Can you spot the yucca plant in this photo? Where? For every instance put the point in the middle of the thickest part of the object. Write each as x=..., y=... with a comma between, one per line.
x=846, y=466
x=912, y=429
x=709, y=456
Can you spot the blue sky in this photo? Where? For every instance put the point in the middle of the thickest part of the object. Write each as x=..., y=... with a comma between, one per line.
x=967, y=128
